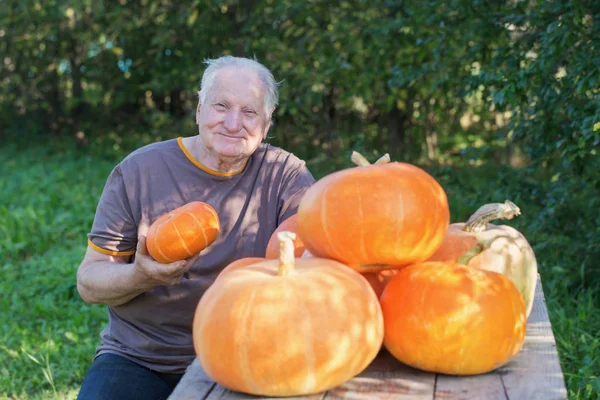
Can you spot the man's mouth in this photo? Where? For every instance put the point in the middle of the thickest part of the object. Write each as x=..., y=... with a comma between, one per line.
x=233, y=137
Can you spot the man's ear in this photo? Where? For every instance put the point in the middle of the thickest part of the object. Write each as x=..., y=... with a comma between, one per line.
x=268, y=124
x=198, y=114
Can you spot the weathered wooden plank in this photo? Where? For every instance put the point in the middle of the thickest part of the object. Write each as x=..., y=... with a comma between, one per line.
x=386, y=378
x=194, y=385
x=220, y=393
x=536, y=373
x=477, y=387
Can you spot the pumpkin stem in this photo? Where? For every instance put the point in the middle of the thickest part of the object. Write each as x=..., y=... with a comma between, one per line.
x=484, y=214
x=361, y=160
x=384, y=159
x=286, y=252
x=469, y=254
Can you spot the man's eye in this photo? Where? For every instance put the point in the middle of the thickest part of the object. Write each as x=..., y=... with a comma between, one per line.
x=250, y=113
x=220, y=106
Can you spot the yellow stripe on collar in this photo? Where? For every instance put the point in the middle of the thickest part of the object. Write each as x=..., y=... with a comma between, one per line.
x=204, y=167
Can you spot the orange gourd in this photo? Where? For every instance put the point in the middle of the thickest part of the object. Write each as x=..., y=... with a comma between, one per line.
x=452, y=319
x=499, y=248
x=372, y=217
x=183, y=232
x=289, y=225
x=287, y=327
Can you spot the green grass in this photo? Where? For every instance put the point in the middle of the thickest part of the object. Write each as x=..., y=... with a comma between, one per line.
x=48, y=334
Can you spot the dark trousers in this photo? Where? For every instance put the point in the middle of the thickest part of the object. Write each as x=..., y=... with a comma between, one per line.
x=113, y=377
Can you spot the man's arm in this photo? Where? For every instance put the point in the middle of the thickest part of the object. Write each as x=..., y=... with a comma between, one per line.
x=113, y=280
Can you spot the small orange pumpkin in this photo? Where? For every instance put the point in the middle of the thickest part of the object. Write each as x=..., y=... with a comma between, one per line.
x=287, y=327
x=289, y=225
x=373, y=217
x=452, y=319
x=499, y=248
x=183, y=232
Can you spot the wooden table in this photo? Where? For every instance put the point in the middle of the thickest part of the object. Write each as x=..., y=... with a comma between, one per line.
x=534, y=374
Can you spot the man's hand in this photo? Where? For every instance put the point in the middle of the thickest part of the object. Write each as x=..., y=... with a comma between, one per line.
x=157, y=273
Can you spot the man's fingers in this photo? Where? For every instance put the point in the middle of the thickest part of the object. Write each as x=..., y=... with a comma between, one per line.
x=166, y=274
x=178, y=267
x=192, y=259
x=180, y=270
x=141, y=245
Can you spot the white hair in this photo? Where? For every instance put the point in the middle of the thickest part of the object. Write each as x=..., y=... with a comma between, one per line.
x=271, y=96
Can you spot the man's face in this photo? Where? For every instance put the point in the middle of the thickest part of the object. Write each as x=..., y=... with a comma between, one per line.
x=233, y=121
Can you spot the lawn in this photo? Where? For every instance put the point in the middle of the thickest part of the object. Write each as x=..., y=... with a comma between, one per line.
x=49, y=194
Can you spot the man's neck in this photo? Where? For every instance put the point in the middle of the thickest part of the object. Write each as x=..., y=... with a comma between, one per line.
x=221, y=165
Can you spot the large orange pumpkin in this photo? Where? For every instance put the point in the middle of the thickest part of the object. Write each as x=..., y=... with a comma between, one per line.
x=372, y=217
x=240, y=263
x=183, y=232
x=377, y=280
x=287, y=327
x=452, y=319
x=499, y=248
x=289, y=225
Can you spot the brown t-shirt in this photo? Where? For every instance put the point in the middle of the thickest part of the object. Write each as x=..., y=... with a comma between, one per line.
x=154, y=329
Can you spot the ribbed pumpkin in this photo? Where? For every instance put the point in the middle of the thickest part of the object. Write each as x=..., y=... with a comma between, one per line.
x=372, y=217
x=242, y=262
x=287, y=327
x=500, y=248
x=377, y=280
x=183, y=232
x=452, y=319
x=289, y=225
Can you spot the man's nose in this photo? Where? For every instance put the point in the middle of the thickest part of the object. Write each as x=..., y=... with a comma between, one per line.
x=233, y=120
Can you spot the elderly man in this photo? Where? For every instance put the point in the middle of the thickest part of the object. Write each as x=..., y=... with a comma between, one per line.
x=253, y=186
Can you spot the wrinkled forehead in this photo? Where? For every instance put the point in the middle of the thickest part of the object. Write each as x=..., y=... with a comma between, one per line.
x=238, y=84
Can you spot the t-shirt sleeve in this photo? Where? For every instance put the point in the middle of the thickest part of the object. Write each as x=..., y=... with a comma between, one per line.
x=114, y=230
x=294, y=187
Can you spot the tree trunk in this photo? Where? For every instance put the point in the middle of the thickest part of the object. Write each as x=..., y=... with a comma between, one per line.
x=176, y=105
x=431, y=139
x=77, y=89
x=55, y=105
x=329, y=114
x=398, y=139
x=398, y=123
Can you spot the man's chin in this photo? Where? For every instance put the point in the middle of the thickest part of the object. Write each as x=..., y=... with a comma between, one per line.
x=231, y=153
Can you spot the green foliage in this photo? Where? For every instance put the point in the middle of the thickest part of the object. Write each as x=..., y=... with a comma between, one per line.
x=548, y=76
x=517, y=74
